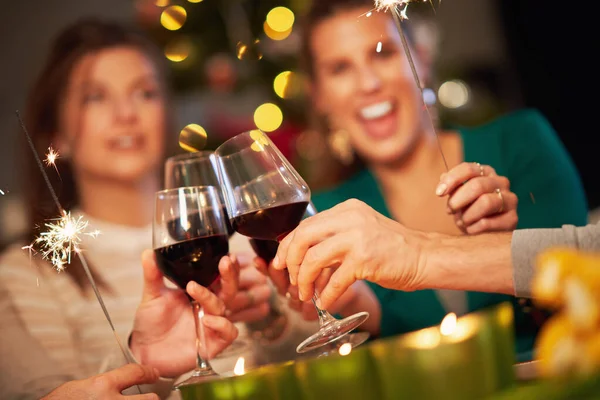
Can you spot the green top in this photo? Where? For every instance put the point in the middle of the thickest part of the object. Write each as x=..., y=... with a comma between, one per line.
x=521, y=146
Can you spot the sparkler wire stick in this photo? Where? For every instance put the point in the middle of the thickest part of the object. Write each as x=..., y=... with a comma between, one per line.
x=81, y=258
x=396, y=17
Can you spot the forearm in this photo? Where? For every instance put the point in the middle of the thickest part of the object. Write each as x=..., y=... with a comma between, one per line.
x=476, y=263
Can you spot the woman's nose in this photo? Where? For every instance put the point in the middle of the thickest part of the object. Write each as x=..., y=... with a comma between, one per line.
x=125, y=110
x=369, y=80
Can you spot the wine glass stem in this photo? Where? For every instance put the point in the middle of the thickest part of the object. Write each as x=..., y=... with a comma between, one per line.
x=324, y=317
x=202, y=367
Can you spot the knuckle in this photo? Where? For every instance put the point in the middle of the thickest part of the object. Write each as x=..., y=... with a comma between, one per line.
x=101, y=383
x=484, y=224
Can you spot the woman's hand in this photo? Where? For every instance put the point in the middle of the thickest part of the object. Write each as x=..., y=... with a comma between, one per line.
x=108, y=385
x=347, y=243
x=164, y=329
x=479, y=199
x=250, y=302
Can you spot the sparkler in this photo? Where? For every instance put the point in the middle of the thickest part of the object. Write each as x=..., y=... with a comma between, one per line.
x=66, y=233
x=1, y=192
x=62, y=239
x=398, y=10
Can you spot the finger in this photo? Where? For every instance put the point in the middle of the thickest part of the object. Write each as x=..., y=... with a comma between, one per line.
x=250, y=277
x=280, y=279
x=261, y=266
x=230, y=275
x=503, y=222
x=339, y=282
x=327, y=254
x=453, y=179
x=293, y=301
x=249, y=298
x=487, y=205
x=312, y=230
x=309, y=312
x=130, y=375
x=471, y=190
x=153, y=278
x=253, y=314
x=323, y=278
x=207, y=299
x=221, y=327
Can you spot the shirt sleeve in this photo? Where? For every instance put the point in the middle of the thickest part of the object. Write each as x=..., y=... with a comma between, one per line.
x=528, y=243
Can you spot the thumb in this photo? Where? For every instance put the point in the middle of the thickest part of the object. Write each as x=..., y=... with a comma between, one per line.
x=153, y=279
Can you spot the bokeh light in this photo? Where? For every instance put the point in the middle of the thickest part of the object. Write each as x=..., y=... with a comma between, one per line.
x=274, y=35
x=195, y=1
x=268, y=117
x=249, y=51
x=282, y=84
x=173, y=17
x=178, y=49
x=192, y=138
x=453, y=94
x=280, y=19
x=162, y=3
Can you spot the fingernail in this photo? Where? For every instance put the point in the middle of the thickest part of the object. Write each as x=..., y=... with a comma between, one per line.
x=460, y=223
x=449, y=210
x=276, y=262
x=318, y=303
x=441, y=189
x=301, y=296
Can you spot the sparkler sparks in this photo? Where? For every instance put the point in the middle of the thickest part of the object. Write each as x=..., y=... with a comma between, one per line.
x=62, y=238
x=51, y=157
x=1, y=192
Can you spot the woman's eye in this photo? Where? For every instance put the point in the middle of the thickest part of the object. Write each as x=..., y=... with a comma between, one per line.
x=93, y=97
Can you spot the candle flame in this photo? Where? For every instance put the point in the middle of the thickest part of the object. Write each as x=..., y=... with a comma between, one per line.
x=239, y=366
x=345, y=349
x=448, y=326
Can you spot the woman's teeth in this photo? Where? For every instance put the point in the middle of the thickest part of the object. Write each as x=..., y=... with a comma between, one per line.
x=125, y=142
x=376, y=110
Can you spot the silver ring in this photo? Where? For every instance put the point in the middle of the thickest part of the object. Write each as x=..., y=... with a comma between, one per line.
x=499, y=193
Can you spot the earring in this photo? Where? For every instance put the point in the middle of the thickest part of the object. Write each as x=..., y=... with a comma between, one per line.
x=339, y=143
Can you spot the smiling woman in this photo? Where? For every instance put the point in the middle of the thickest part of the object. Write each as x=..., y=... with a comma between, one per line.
x=101, y=102
x=363, y=90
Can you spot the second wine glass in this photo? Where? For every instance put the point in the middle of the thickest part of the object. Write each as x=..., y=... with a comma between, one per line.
x=266, y=199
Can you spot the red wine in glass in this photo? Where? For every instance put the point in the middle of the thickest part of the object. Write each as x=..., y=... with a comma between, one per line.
x=271, y=223
x=193, y=260
x=265, y=249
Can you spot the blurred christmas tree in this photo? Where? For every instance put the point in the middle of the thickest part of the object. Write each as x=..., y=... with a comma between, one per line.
x=234, y=62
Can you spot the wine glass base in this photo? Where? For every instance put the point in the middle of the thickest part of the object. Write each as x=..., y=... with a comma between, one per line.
x=197, y=377
x=354, y=339
x=332, y=331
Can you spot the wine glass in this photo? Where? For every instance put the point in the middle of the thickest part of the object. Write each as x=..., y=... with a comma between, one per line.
x=194, y=169
x=189, y=239
x=266, y=199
